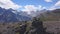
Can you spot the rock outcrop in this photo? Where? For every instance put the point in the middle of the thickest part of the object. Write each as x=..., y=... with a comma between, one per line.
x=35, y=28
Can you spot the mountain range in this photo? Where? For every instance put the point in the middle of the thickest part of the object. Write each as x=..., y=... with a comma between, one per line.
x=7, y=15
x=10, y=15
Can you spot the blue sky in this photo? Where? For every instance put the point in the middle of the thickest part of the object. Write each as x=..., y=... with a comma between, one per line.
x=30, y=5
x=35, y=2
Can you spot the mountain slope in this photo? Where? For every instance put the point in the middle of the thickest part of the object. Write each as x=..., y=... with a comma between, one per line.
x=51, y=15
x=6, y=15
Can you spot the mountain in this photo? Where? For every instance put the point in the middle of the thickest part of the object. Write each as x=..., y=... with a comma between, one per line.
x=50, y=15
x=6, y=15
x=56, y=11
x=37, y=13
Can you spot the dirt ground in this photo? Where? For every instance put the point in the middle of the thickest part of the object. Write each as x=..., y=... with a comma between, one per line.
x=52, y=26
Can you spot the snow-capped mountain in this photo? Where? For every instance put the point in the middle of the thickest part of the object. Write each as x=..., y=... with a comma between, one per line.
x=6, y=15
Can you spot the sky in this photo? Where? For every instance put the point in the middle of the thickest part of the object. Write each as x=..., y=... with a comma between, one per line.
x=30, y=5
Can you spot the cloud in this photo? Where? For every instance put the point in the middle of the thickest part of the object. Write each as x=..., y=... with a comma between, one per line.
x=52, y=8
x=30, y=8
x=48, y=0
x=57, y=4
x=40, y=7
x=9, y=4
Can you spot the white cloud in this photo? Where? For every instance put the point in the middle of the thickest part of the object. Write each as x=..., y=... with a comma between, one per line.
x=30, y=8
x=40, y=7
x=48, y=0
x=57, y=4
x=52, y=8
x=8, y=4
